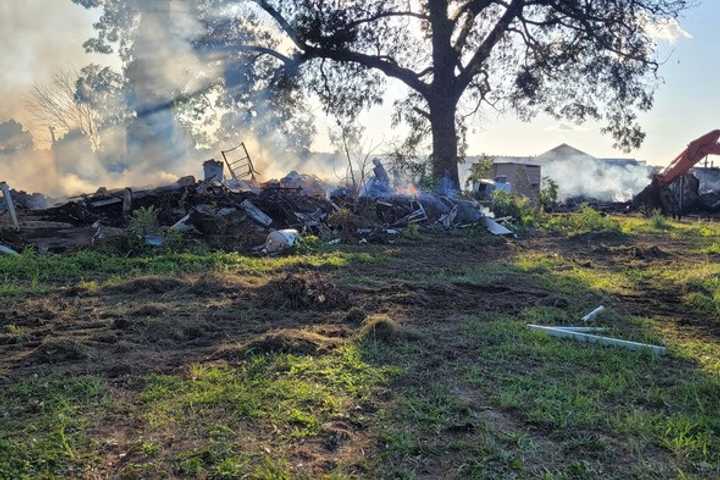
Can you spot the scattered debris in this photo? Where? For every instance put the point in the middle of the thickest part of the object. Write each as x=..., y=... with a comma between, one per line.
x=214, y=170
x=495, y=228
x=241, y=168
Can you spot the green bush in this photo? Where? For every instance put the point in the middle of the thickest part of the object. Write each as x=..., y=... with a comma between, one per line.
x=144, y=221
x=548, y=194
x=524, y=215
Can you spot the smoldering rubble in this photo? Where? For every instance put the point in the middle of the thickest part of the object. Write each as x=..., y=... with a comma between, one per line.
x=244, y=216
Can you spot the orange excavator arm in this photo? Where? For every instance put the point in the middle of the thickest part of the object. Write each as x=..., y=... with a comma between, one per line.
x=708, y=144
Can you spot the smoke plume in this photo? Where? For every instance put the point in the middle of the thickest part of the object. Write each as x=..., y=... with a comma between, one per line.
x=585, y=176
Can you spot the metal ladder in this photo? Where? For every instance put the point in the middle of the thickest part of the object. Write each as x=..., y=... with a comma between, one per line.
x=241, y=168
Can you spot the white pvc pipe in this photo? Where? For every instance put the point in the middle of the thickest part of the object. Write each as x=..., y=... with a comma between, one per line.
x=583, y=329
x=591, y=316
x=584, y=337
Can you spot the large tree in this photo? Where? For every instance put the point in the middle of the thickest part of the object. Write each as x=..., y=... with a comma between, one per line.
x=574, y=59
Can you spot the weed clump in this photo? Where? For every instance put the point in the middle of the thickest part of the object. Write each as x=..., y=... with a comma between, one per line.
x=380, y=327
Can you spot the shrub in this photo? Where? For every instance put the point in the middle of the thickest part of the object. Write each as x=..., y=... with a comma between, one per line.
x=524, y=215
x=548, y=194
x=144, y=221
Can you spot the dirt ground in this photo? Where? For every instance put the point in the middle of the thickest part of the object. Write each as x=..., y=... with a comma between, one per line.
x=429, y=297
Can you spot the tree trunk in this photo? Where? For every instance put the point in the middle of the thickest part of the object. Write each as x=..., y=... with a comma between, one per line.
x=445, y=143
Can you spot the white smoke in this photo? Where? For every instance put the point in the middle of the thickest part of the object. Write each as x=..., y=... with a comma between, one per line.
x=585, y=176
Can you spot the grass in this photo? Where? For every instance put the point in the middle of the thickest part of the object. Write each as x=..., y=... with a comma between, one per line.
x=286, y=397
x=44, y=424
x=33, y=273
x=470, y=394
x=689, y=229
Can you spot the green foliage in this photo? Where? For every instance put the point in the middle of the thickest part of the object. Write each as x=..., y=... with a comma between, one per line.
x=713, y=249
x=480, y=170
x=586, y=220
x=524, y=215
x=291, y=396
x=611, y=394
x=548, y=194
x=295, y=394
x=144, y=221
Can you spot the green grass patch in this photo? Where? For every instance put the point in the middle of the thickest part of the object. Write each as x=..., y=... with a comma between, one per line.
x=283, y=397
x=30, y=270
x=43, y=424
x=659, y=225
x=564, y=386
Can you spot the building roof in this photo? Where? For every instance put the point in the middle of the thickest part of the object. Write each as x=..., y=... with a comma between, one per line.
x=563, y=150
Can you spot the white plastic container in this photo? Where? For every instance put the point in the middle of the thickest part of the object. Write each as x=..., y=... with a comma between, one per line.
x=281, y=240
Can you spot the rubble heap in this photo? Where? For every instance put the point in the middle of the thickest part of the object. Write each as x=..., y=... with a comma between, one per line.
x=270, y=217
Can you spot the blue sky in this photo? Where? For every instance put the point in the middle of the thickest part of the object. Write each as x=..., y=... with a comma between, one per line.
x=41, y=36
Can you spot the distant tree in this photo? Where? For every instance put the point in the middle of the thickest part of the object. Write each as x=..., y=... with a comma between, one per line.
x=573, y=59
x=14, y=138
x=54, y=106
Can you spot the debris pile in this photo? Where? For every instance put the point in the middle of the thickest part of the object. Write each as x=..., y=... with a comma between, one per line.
x=247, y=216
